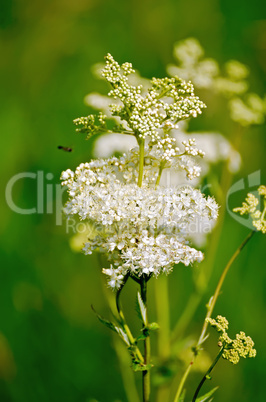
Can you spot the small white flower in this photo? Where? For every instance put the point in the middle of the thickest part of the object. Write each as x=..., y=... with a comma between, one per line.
x=116, y=276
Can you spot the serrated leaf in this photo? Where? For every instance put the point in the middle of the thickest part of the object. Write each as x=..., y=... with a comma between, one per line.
x=206, y=397
x=113, y=327
x=143, y=309
x=136, y=367
x=105, y=322
x=138, y=309
x=141, y=366
x=123, y=335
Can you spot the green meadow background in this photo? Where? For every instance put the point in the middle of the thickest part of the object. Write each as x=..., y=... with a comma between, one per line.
x=52, y=347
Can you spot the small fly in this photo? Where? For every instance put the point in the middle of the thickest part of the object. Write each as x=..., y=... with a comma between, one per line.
x=66, y=149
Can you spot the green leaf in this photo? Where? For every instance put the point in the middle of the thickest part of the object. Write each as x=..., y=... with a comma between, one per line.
x=123, y=335
x=206, y=397
x=105, y=322
x=141, y=367
x=113, y=327
x=143, y=309
x=138, y=309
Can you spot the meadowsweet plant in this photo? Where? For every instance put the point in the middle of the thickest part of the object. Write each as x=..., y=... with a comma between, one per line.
x=140, y=224
x=143, y=227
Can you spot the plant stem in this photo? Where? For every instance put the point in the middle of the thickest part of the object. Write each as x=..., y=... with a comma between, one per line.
x=147, y=347
x=214, y=298
x=207, y=265
x=143, y=292
x=127, y=374
x=163, y=318
x=207, y=374
x=182, y=382
x=159, y=174
x=162, y=307
x=125, y=326
x=202, y=278
x=141, y=161
x=201, y=286
x=210, y=308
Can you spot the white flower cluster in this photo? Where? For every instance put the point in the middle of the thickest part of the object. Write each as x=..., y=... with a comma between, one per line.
x=142, y=227
x=245, y=108
x=170, y=155
x=205, y=72
x=250, y=111
x=142, y=230
x=191, y=65
x=169, y=100
x=190, y=148
x=216, y=149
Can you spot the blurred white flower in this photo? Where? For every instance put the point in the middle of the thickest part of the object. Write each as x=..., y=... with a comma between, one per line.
x=109, y=144
x=191, y=65
x=215, y=146
x=250, y=112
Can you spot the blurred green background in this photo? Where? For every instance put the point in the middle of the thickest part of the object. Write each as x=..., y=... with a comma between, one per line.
x=52, y=348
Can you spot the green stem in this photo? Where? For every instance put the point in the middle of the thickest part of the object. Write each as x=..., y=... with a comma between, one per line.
x=125, y=326
x=127, y=373
x=162, y=307
x=115, y=132
x=210, y=308
x=163, y=317
x=202, y=278
x=207, y=265
x=124, y=359
x=206, y=376
x=264, y=211
x=182, y=382
x=141, y=161
x=159, y=174
x=214, y=298
x=147, y=347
